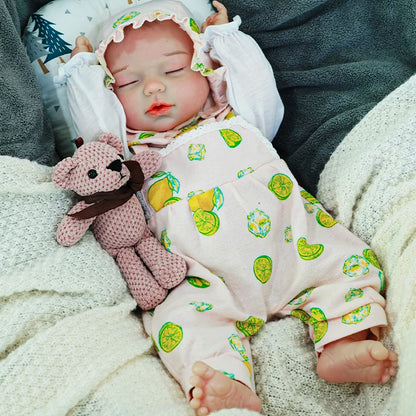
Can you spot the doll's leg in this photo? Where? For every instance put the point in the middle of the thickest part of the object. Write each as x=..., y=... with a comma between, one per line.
x=144, y=288
x=194, y=331
x=168, y=268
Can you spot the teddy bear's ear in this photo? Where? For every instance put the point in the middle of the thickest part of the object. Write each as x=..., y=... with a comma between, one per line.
x=111, y=140
x=62, y=172
x=149, y=161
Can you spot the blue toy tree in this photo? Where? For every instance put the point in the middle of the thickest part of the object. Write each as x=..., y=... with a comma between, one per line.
x=50, y=38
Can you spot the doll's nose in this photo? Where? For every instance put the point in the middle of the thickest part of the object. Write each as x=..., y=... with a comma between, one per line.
x=153, y=86
x=115, y=165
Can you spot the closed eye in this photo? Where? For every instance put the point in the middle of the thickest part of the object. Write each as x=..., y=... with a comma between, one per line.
x=126, y=84
x=174, y=71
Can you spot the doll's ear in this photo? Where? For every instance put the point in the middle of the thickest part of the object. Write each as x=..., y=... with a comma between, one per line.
x=62, y=172
x=111, y=140
x=149, y=161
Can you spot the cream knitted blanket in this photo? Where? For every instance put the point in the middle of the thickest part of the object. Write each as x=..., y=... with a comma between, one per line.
x=70, y=343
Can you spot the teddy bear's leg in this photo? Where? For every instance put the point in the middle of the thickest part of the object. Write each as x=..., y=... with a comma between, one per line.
x=145, y=289
x=168, y=268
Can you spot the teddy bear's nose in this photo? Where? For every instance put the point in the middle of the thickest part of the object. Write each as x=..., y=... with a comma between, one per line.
x=115, y=165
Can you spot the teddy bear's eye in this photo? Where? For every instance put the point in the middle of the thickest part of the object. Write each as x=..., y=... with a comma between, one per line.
x=92, y=173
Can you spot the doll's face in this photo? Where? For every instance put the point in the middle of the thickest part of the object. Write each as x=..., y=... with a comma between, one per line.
x=153, y=77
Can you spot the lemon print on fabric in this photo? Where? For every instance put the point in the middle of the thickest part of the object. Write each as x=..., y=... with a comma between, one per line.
x=357, y=315
x=325, y=219
x=198, y=282
x=164, y=239
x=238, y=346
x=309, y=207
x=125, y=18
x=250, y=326
x=231, y=137
x=301, y=297
x=281, y=185
x=353, y=294
x=316, y=319
x=196, y=152
x=310, y=198
x=202, y=306
x=203, y=205
x=262, y=268
x=371, y=258
x=170, y=336
x=258, y=223
x=309, y=251
x=244, y=172
x=161, y=192
x=288, y=234
x=355, y=266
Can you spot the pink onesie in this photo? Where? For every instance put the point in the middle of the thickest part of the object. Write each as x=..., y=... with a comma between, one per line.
x=257, y=245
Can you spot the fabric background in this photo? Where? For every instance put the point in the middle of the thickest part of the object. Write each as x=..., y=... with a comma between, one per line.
x=24, y=127
x=333, y=61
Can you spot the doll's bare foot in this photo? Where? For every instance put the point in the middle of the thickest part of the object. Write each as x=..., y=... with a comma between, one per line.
x=363, y=361
x=82, y=44
x=215, y=391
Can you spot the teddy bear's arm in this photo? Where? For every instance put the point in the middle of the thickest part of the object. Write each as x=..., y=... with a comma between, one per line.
x=70, y=230
x=149, y=160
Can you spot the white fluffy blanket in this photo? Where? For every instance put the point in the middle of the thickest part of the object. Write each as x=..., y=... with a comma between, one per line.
x=70, y=343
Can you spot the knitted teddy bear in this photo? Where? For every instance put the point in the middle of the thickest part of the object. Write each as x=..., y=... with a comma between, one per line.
x=107, y=186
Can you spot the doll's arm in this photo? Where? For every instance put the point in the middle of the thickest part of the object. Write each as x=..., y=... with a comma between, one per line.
x=93, y=108
x=70, y=230
x=251, y=86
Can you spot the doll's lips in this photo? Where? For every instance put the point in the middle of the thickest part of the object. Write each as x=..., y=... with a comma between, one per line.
x=158, y=109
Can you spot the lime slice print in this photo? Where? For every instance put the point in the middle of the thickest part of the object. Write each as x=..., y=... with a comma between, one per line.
x=170, y=336
x=281, y=185
x=262, y=268
x=320, y=323
x=258, y=223
x=244, y=172
x=353, y=294
x=196, y=152
x=171, y=201
x=202, y=306
x=164, y=239
x=324, y=219
x=371, y=257
x=198, y=282
x=288, y=234
x=382, y=281
x=357, y=315
x=309, y=251
x=310, y=198
x=231, y=137
x=301, y=314
x=250, y=326
x=355, y=266
x=238, y=346
x=125, y=18
x=301, y=297
x=207, y=222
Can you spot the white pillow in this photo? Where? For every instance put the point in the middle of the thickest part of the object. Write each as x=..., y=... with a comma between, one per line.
x=49, y=38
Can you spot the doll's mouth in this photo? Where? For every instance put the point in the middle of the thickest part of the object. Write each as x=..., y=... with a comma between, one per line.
x=158, y=109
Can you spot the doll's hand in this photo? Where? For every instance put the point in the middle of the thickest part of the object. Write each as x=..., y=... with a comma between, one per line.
x=82, y=44
x=218, y=18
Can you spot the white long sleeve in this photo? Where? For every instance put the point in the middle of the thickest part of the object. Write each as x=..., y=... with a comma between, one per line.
x=251, y=86
x=94, y=109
